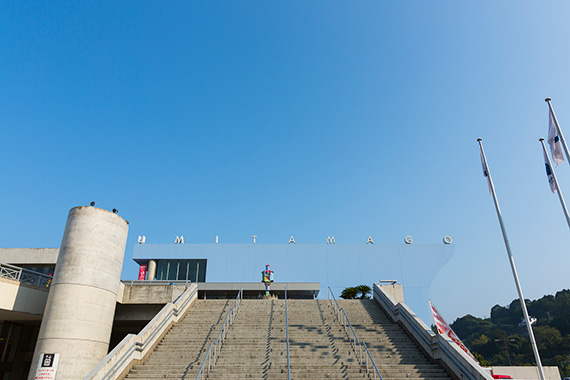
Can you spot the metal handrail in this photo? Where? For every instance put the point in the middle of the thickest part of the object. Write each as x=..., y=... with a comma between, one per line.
x=26, y=276
x=228, y=321
x=287, y=334
x=342, y=318
x=337, y=309
x=368, y=356
x=354, y=339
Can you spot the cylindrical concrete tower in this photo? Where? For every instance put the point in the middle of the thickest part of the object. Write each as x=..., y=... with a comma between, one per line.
x=79, y=312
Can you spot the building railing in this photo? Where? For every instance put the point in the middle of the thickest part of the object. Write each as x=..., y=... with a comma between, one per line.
x=355, y=343
x=212, y=355
x=287, y=335
x=135, y=347
x=436, y=346
x=25, y=276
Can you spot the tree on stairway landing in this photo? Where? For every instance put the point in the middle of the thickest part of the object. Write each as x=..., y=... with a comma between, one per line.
x=356, y=292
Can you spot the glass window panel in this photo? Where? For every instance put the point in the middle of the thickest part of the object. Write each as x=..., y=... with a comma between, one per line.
x=181, y=270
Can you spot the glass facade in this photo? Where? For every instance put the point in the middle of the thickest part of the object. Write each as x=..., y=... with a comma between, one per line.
x=9, y=337
x=181, y=270
x=40, y=268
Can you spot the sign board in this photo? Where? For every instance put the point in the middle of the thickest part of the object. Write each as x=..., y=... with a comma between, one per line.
x=47, y=367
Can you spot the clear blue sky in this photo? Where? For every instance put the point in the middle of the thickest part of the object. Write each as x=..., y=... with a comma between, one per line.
x=293, y=118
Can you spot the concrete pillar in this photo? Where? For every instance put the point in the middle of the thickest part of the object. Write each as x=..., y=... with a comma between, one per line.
x=79, y=312
x=151, y=270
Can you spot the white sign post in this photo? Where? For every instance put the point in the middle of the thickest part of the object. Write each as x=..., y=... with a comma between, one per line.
x=47, y=367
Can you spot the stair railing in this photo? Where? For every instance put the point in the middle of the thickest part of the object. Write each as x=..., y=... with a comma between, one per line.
x=287, y=335
x=366, y=357
x=27, y=276
x=355, y=343
x=134, y=348
x=214, y=350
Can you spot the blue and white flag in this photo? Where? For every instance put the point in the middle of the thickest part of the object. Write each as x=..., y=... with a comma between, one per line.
x=554, y=140
x=549, y=173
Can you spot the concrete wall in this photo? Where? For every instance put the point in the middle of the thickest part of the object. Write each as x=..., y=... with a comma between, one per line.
x=150, y=294
x=396, y=291
x=29, y=255
x=22, y=298
x=79, y=313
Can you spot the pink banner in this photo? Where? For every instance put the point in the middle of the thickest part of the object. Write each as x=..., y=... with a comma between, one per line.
x=142, y=272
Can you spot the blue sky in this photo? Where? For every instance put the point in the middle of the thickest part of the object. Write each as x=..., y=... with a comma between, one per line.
x=296, y=118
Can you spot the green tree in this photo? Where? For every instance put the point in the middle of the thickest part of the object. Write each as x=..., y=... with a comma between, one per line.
x=356, y=292
x=481, y=359
x=500, y=339
x=483, y=339
x=469, y=327
x=364, y=291
x=349, y=293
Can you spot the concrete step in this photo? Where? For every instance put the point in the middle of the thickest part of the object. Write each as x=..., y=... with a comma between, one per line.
x=255, y=346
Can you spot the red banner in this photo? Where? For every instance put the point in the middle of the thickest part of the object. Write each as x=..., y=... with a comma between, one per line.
x=142, y=272
x=444, y=329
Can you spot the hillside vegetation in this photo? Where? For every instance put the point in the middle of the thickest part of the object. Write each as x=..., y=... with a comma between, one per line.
x=499, y=340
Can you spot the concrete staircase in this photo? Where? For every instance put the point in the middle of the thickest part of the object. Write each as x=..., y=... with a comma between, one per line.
x=395, y=353
x=255, y=347
x=318, y=350
x=180, y=353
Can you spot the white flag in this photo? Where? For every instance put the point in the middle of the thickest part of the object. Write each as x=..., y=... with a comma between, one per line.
x=549, y=173
x=554, y=140
x=486, y=172
x=444, y=329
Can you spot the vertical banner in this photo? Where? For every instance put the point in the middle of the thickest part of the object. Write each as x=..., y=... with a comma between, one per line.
x=142, y=272
x=444, y=329
x=47, y=367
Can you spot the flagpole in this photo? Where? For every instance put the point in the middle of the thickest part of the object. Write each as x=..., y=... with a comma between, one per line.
x=562, y=140
x=512, y=262
x=555, y=183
